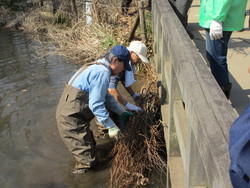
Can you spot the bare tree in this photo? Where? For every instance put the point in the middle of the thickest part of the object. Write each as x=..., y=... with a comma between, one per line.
x=55, y=5
x=74, y=7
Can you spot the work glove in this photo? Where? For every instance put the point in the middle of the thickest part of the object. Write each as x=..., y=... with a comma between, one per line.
x=136, y=97
x=133, y=108
x=114, y=132
x=124, y=117
x=216, y=30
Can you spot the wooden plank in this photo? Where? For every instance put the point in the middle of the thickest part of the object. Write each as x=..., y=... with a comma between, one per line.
x=174, y=94
x=164, y=113
x=176, y=172
x=166, y=63
x=196, y=174
x=180, y=120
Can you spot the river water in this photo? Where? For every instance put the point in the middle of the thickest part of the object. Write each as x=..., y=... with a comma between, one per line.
x=32, y=154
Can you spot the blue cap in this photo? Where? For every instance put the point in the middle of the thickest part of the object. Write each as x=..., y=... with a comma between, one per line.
x=123, y=54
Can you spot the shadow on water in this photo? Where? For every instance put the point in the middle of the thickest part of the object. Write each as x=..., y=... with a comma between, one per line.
x=31, y=152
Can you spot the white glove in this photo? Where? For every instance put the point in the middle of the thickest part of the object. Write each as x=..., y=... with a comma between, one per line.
x=133, y=107
x=136, y=97
x=216, y=30
x=114, y=132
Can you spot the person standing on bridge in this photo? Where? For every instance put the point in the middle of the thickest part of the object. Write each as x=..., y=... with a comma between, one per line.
x=85, y=96
x=138, y=52
x=181, y=8
x=220, y=18
x=125, y=4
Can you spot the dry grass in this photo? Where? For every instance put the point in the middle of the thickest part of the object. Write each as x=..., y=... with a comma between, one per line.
x=4, y=12
x=76, y=40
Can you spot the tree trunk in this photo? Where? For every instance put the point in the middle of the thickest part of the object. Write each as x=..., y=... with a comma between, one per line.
x=56, y=5
x=142, y=21
x=41, y=3
x=73, y=2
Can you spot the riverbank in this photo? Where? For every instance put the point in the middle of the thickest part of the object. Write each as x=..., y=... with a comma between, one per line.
x=73, y=38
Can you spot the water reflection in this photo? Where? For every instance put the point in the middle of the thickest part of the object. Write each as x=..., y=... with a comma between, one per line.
x=31, y=152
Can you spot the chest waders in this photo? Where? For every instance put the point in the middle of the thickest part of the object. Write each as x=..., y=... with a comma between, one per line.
x=73, y=120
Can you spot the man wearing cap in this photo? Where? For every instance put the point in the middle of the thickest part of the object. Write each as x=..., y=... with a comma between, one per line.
x=138, y=51
x=86, y=96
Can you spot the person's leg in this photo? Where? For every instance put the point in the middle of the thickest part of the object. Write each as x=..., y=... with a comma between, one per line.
x=73, y=118
x=216, y=53
x=125, y=5
x=183, y=7
x=79, y=140
x=149, y=4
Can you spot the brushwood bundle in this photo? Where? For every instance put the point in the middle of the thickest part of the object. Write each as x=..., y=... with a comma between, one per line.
x=139, y=152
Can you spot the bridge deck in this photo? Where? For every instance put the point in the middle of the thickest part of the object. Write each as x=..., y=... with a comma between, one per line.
x=238, y=57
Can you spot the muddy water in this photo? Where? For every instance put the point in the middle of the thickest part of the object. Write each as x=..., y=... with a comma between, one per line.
x=32, y=155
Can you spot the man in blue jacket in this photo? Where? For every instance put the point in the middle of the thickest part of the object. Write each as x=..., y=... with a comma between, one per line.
x=86, y=96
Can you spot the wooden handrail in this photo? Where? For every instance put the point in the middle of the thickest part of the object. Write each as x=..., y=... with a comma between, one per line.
x=195, y=109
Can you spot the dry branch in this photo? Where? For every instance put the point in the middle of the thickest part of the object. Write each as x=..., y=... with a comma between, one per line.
x=139, y=152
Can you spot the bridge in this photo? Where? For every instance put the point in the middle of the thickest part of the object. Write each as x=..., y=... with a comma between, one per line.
x=197, y=114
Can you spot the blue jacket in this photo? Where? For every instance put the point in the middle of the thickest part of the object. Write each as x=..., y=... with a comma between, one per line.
x=95, y=81
x=239, y=150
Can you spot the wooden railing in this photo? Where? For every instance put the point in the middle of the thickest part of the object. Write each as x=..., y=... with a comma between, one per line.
x=197, y=114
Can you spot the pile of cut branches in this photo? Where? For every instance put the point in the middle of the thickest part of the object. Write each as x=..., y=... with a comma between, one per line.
x=141, y=151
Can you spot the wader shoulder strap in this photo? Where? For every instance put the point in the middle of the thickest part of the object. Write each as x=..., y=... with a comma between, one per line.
x=85, y=66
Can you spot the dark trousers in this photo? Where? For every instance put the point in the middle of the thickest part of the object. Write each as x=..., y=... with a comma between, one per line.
x=216, y=53
x=181, y=8
x=125, y=5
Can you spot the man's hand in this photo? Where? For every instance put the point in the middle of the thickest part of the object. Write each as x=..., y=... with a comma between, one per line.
x=216, y=30
x=133, y=108
x=124, y=117
x=114, y=132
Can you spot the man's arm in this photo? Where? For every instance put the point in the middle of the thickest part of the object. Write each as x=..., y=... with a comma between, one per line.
x=122, y=101
x=113, y=91
x=136, y=97
x=130, y=90
x=117, y=96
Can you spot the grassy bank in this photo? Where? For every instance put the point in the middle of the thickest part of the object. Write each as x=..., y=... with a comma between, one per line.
x=71, y=35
